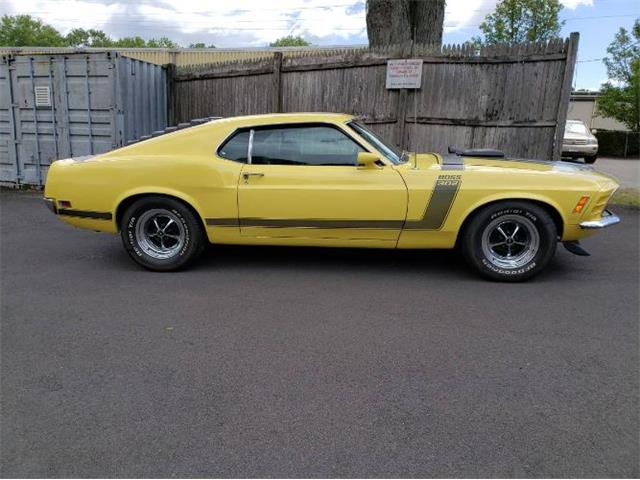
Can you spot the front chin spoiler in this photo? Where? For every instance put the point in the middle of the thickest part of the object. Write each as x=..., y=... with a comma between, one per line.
x=575, y=248
x=607, y=219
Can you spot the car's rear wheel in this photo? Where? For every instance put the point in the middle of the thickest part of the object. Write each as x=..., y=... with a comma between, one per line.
x=161, y=233
x=510, y=241
x=591, y=159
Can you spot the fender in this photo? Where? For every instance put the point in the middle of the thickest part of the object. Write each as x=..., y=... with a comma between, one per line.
x=515, y=195
x=155, y=190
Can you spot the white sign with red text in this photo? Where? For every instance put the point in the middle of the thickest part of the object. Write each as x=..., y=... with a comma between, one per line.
x=405, y=73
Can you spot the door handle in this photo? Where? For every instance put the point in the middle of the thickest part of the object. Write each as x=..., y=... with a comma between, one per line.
x=246, y=176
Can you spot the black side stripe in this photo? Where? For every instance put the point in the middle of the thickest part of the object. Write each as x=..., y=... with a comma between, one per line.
x=437, y=211
x=435, y=214
x=305, y=223
x=85, y=214
x=223, y=222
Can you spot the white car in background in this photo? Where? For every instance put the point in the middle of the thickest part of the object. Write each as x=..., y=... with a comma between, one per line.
x=579, y=142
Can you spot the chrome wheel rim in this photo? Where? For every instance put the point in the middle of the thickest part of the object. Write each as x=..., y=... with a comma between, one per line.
x=510, y=241
x=160, y=233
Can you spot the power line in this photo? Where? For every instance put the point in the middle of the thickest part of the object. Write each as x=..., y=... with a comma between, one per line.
x=154, y=18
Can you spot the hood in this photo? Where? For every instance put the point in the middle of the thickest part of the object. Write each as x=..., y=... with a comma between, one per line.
x=541, y=166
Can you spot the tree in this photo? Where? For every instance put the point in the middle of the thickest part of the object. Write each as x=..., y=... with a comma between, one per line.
x=519, y=21
x=394, y=22
x=26, y=31
x=79, y=37
x=290, y=41
x=201, y=45
x=620, y=96
x=139, y=42
x=162, y=42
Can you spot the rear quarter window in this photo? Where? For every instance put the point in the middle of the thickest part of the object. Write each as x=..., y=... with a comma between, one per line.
x=236, y=148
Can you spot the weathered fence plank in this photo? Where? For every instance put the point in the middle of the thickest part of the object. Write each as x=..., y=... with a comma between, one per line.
x=567, y=80
x=514, y=98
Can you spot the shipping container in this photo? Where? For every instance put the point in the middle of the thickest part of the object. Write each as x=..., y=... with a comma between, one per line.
x=60, y=106
x=186, y=56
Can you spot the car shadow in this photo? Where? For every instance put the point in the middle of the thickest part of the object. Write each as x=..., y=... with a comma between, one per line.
x=251, y=259
x=443, y=263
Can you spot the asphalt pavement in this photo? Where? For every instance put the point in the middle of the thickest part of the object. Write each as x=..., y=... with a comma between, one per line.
x=264, y=362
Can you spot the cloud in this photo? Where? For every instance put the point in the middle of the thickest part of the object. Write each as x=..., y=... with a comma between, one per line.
x=461, y=14
x=249, y=23
x=573, y=4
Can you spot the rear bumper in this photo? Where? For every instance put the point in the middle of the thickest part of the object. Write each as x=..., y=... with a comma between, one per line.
x=606, y=220
x=50, y=203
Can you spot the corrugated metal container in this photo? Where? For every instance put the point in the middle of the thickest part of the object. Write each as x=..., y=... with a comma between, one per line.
x=184, y=56
x=60, y=106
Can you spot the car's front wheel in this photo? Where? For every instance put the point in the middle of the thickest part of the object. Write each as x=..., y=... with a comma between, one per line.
x=161, y=233
x=510, y=241
x=590, y=159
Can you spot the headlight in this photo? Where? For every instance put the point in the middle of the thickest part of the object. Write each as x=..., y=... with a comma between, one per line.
x=592, y=141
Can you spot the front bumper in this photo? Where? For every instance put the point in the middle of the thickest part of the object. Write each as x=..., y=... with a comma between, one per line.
x=579, y=150
x=606, y=220
x=50, y=203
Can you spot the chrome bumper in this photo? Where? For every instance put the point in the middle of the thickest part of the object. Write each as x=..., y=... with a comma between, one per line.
x=579, y=149
x=606, y=220
x=50, y=203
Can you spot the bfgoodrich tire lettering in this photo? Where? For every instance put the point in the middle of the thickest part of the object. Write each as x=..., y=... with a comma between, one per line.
x=510, y=241
x=161, y=233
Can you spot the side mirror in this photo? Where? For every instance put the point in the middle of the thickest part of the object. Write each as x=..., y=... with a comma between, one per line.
x=368, y=160
x=594, y=131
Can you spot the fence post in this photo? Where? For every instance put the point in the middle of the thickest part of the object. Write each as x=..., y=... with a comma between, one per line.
x=405, y=52
x=276, y=99
x=171, y=94
x=565, y=94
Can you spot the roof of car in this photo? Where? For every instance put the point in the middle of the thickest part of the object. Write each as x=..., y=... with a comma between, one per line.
x=276, y=118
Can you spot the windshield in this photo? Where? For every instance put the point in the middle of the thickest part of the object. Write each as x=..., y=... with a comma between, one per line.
x=391, y=152
x=576, y=127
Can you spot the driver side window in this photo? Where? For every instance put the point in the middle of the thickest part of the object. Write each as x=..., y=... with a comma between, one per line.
x=303, y=145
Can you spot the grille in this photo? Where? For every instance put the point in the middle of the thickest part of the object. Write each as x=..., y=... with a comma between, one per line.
x=43, y=97
x=600, y=204
x=575, y=142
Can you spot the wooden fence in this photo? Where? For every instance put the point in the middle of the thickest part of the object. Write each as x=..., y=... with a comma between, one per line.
x=514, y=98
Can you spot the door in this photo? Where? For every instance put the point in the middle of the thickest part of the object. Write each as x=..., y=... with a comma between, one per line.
x=301, y=181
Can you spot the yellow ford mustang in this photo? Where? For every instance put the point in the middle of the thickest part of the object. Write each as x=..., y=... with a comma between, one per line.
x=320, y=179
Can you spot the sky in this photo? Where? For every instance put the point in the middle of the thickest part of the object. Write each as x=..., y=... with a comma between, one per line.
x=255, y=23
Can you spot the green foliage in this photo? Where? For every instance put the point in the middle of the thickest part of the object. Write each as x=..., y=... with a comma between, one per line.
x=201, y=45
x=26, y=31
x=130, y=42
x=613, y=143
x=79, y=37
x=620, y=96
x=290, y=41
x=162, y=42
x=519, y=21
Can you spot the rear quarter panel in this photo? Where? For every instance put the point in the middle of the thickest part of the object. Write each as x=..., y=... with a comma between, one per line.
x=182, y=165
